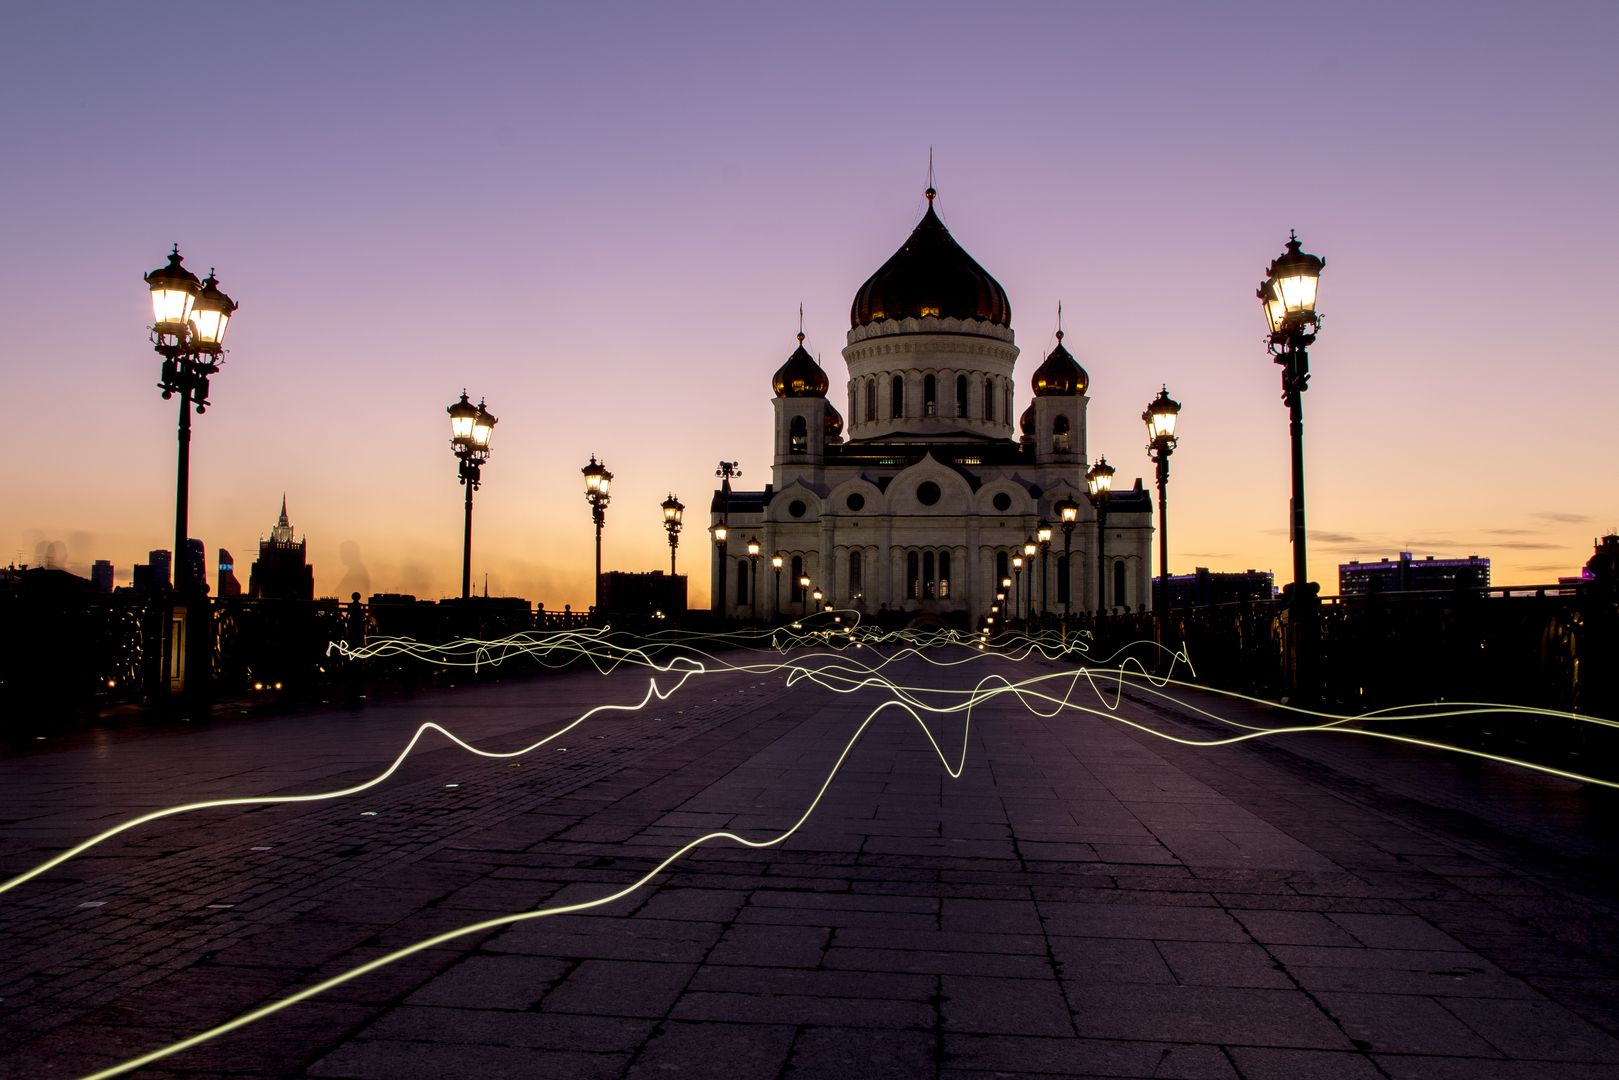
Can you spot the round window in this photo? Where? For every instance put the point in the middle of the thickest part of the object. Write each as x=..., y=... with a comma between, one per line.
x=927, y=493
x=796, y=508
x=856, y=501
x=1002, y=501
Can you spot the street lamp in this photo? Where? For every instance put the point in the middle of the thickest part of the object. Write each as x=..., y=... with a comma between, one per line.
x=1017, y=575
x=1162, y=412
x=673, y=508
x=817, y=595
x=776, y=562
x=1042, y=536
x=470, y=429
x=598, y=492
x=722, y=535
x=1068, y=510
x=753, y=574
x=1099, y=481
x=189, y=319
x=1287, y=296
x=803, y=596
x=1030, y=550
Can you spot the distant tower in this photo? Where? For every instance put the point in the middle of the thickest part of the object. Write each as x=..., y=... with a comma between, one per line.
x=196, y=563
x=101, y=576
x=228, y=585
x=282, y=571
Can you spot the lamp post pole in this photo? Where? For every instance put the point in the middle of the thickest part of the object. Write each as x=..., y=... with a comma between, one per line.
x=803, y=596
x=727, y=471
x=776, y=561
x=598, y=492
x=1042, y=536
x=1017, y=583
x=1160, y=418
x=1288, y=297
x=1068, y=510
x=189, y=319
x=470, y=429
x=673, y=510
x=753, y=576
x=1099, y=481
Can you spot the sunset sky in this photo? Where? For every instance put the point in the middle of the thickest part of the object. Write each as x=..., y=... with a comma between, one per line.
x=602, y=218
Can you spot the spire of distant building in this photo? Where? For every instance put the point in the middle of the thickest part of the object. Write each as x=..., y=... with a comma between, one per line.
x=282, y=532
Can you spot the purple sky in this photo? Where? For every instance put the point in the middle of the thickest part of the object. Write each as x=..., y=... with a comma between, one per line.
x=602, y=218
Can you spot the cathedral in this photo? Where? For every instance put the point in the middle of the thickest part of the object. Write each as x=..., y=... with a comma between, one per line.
x=921, y=504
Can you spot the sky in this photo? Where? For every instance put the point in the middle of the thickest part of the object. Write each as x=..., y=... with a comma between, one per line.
x=602, y=218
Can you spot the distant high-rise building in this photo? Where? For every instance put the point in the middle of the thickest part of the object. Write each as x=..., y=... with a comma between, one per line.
x=1604, y=562
x=195, y=567
x=1407, y=574
x=153, y=574
x=101, y=575
x=282, y=571
x=228, y=585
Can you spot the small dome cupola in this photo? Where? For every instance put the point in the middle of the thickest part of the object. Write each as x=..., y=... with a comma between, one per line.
x=1026, y=422
x=1060, y=375
x=800, y=376
x=834, y=424
x=930, y=276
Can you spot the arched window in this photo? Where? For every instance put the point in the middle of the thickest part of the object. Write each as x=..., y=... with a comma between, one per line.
x=896, y=397
x=798, y=436
x=795, y=590
x=927, y=574
x=944, y=575
x=961, y=396
x=1119, y=597
x=1062, y=440
x=1007, y=412
x=1003, y=568
x=1062, y=579
x=857, y=575
x=871, y=399
x=913, y=576
x=930, y=395
x=742, y=596
x=989, y=399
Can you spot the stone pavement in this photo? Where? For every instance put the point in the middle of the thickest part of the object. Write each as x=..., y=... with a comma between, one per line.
x=1086, y=900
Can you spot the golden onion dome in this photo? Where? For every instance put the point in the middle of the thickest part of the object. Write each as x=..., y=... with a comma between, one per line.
x=834, y=424
x=1026, y=422
x=800, y=376
x=1060, y=375
x=930, y=276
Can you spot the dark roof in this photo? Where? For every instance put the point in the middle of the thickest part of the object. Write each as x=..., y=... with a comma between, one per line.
x=930, y=275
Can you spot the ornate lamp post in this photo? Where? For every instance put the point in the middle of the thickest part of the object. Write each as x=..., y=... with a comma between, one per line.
x=598, y=485
x=1030, y=550
x=1162, y=412
x=1099, y=481
x=673, y=508
x=470, y=429
x=1017, y=579
x=776, y=562
x=722, y=536
x=818, y=594
x=1068, y=510
x=753, y=575
x=803, y=596
x=1288, y=296
x=189, y=319
x=1042, y=536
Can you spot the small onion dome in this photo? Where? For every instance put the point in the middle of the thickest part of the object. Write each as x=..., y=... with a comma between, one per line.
x=1026, y=422
x=1060, y=375
x=931, y=275
x=834, y=423
x=800, y=376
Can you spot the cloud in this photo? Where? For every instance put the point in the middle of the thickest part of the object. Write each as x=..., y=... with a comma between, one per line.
x=1565, y=519
x=1338, y=539
x=1528, y=545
